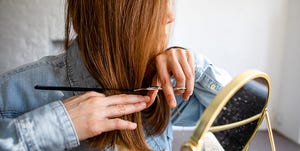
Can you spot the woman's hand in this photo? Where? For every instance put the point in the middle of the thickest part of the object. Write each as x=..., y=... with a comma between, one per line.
x=177, y=62
x=93, y=113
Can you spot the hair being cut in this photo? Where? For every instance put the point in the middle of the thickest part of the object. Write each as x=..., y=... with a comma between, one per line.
x=118, y=40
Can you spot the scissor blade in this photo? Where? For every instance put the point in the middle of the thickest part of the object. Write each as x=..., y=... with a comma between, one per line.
x=158, y=88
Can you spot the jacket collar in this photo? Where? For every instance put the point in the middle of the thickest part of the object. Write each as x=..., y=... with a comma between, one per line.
x=77, y=73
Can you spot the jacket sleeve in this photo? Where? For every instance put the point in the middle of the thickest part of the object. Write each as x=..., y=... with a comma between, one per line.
x=209, y=80
x=45, y=128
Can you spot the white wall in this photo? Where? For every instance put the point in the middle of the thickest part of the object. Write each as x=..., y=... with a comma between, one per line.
x=235, y=34
x=244, y=34
x=27, y=29
x=287, y=119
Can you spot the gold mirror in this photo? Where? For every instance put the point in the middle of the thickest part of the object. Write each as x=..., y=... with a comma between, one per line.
x=235, y=114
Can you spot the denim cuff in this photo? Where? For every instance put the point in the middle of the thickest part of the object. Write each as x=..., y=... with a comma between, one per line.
x=47, y=128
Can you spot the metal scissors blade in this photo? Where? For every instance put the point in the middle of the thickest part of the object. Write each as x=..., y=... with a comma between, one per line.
x=152, y=88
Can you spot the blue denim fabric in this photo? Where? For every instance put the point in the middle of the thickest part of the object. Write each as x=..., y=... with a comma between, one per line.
x=37, y=120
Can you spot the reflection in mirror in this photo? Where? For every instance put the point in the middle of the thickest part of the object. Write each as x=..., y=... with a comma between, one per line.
x=247, y=102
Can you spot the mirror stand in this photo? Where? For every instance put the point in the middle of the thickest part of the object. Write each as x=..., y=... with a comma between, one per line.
x=270, y=129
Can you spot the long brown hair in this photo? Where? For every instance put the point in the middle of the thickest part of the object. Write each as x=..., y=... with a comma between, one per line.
x=118, y=40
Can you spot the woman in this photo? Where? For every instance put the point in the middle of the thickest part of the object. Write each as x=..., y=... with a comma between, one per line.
x=117, y=45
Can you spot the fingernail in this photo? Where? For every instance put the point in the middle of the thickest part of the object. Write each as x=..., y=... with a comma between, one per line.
x=186, y=98
x=147, y=98
x=173, y=103
x=133, y=126
x=143, y=104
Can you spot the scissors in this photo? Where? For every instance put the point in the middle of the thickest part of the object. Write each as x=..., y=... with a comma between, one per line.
x=100, y=90
x=152, y=88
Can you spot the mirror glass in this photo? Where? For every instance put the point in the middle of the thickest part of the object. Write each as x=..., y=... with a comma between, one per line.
x=247, y=102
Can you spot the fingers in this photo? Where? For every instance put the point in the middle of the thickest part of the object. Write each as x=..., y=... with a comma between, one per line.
x=119, y=124
x=93, y=113
x=178, y=66
x=153, y=94
x=189, y=72
x=121, y=109
x=125, y=99
x=95, y=128
x=164, y=78
x=180, y=63
x=115, y=105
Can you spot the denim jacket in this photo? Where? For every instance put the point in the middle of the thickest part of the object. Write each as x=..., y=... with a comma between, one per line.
x=37, y=120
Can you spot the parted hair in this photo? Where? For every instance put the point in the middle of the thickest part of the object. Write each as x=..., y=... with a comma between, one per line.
x=118, y=41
